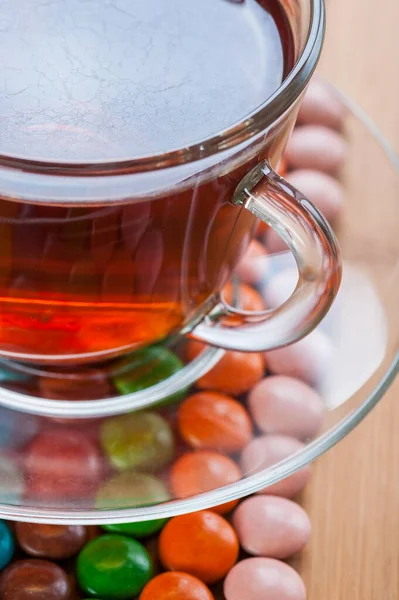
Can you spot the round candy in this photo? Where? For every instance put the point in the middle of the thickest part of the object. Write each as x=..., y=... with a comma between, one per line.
x=34, y=580
x=176, y=586
x=16, y=429
x=139, y=530
x=141, y=440
x=11, y=481
x=50, y=541
x=235, y=373
x=6, y=544
x=210, y=420
x=307, y=359
x=269, y=450
x=247, y=297
x=316, y=147
x=202, y=544
x=114, y=566
x=280, y=404
x=271, y=526
x=62, y=464
x=202, y=471
x=253, y=267
x=263, y=579
x=146, y=368
x=322, y=189
x=87, y=384
x=131, y=489
x=322, y=106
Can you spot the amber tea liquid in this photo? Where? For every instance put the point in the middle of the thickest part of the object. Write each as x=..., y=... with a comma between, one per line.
x=107, y=82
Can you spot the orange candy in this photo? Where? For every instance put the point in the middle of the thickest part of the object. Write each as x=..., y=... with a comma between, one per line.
x=175, y=586
x=202, y=544
x=210, y=420
x=235, y=373
x=202, y=471
x=249, y=299
x=282, y=170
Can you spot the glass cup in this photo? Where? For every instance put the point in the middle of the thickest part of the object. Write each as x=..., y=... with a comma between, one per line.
x=102, y=257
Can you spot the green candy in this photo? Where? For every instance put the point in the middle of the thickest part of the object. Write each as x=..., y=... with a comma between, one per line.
x=146, y=368
x=127, y=490
x=114, y=566
x=141, y=529
x=131, y=490
x=142, y=441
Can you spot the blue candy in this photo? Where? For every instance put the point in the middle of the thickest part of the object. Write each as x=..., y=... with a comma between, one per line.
x=7, y=546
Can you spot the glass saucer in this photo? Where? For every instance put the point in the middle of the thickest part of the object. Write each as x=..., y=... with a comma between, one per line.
x=87, y=461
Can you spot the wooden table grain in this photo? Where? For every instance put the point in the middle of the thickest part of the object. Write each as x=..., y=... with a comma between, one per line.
x=353, y=500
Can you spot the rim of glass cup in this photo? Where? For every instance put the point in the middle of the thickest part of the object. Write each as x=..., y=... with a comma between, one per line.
x=248, y=127
x=251, y=483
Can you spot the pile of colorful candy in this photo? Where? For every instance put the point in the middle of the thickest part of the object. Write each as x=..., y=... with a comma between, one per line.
x=247, y=413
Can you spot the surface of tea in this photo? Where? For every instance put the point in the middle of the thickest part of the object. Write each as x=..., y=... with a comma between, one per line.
x=100, y=79
x=92, y=80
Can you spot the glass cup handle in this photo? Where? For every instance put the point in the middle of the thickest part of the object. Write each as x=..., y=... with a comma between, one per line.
x=314, y=246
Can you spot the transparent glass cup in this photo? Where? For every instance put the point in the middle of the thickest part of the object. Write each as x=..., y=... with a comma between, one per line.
x=99, y=258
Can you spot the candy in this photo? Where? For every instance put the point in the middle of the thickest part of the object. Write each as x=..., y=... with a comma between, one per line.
x=62, y=464
x=322, y=189
x=271, y=526
x=247, y=297
x=11, y=481
x=285, y=405
x=130, y=489
x=50, y=541
x=6, y=544
x=322, y=106
x=202, y=544
x=307, y=359
x=263, y=579
x=16, y=429
x=210, y=420
x=235, y=373
x=253, y=267
x=34, y=580
x=146, y=368
x=202, y=471
x=88, y=384
x=141, y=529
x=141, y=440
x=269, y=450
x=316, y=147
x=114, y=566
x=176, y=586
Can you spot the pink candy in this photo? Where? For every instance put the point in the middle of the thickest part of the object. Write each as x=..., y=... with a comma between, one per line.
x=284, y=405
x=263, y=579
x=271, y=526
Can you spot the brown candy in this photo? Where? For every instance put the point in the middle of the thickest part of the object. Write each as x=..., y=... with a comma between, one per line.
x=34, y=580
x=88, y=384
x=50, y=541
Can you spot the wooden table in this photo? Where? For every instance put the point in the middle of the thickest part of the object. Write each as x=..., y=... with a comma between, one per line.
x=353, y=500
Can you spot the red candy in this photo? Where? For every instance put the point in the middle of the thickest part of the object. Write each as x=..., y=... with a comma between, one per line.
x=62, y=464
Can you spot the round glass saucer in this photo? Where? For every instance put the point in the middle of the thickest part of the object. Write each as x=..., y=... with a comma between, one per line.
x=86, y=462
